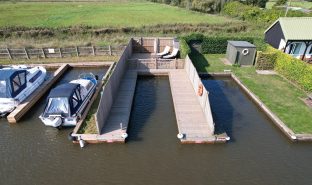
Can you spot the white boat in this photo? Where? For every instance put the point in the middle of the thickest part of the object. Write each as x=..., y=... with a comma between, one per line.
x=67, y=102
x=16, y=84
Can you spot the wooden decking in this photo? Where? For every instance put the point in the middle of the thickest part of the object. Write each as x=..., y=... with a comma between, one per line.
x=22, y=109
x=120, y=111
x=189, y=114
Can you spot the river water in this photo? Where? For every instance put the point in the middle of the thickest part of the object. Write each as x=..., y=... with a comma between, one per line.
x=257, y=154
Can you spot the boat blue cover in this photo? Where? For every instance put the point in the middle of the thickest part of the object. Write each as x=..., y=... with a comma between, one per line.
x=8, y=75
x=64, y=90
x=67, y=91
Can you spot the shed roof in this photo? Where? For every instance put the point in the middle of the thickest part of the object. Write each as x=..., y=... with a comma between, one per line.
x=295, y=28
x=244, y=44
x=64, y=90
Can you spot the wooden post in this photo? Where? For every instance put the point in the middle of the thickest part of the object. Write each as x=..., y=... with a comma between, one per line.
x=93, y=50
x=77, y=51
x=9, y=53
x=175, y=63
x=26, y=53
x=60, y=53
x=110, y=50
x=44, y=55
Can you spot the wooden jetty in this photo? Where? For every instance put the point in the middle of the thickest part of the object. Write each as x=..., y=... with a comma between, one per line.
x=191, y=120
x=22, y=109
x=118, y=120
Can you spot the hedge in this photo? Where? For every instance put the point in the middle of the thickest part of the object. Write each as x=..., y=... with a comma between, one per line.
x=265, y=61
x=218, y=45
x=293, y=69
x=184, y=48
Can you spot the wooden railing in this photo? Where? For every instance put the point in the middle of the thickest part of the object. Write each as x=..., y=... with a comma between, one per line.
x=77, y=51
x=155, y=63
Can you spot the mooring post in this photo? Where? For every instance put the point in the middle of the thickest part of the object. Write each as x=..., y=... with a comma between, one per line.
x=120, y=126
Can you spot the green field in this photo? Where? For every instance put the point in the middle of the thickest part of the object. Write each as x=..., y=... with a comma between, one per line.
x=284, y=99
x=104, y=14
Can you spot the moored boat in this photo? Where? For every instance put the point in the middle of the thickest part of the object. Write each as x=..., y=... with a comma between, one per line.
x=67, y=102
x=16, y=84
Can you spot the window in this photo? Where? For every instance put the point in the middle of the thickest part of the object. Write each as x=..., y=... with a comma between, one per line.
x=295, y=48
x=3, y=89
x=16, y=83
x=22, y=77
x=57, y=106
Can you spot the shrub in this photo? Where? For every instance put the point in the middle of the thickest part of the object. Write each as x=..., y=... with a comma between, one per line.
x=253, y=13
x=293, y=69
x=265, y=60
x=184, y=48
x=218, y=45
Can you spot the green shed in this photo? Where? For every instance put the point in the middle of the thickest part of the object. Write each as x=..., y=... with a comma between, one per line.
x=241, y=52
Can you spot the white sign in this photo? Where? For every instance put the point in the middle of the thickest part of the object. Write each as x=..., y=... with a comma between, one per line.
x=51, y=50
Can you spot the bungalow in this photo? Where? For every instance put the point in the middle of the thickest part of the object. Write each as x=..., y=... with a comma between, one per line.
x=292, y=35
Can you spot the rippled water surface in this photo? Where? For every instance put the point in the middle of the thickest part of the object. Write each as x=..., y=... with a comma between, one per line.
x=258, y=153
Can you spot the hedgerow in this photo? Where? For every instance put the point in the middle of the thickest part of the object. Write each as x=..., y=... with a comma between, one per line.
x=294, y=69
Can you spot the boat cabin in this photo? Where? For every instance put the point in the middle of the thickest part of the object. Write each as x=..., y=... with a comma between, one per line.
x=12, y=82
x=64, y=100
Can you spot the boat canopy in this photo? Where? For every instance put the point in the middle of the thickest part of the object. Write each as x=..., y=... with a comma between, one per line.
x=65, y=100
x=12, y=82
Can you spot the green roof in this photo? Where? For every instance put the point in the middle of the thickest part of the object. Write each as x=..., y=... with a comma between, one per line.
x=295, y=28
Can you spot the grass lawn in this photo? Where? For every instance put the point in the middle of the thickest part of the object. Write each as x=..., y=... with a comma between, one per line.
x=101, y=14
x=279, y=95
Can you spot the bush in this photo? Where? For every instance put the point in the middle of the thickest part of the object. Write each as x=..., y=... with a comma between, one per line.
x=184, y=48
x=218, y=45
x=265, y=61
x=253, y=13
x=293, y=69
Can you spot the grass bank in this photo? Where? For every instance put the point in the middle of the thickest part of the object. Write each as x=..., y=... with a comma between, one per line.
x=284, y=99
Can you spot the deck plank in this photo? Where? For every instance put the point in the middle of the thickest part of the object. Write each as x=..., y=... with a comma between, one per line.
x=120, y=111
x=190, y=117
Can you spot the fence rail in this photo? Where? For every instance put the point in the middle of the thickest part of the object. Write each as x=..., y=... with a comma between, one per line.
x=156, y=63
x=76, y=51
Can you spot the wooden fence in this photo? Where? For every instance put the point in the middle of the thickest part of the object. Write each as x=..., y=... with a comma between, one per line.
x=155, y=63
x=204, y=99
x=110, y=89
x=77, y=51
x=153, y=45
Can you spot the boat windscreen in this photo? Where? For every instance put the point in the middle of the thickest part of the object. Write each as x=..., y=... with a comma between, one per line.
x=3, y=89
x=57, y=106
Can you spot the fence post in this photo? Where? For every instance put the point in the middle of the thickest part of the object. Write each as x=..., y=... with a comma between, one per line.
x=175, y=63
x=110, y=50
x=77, y=51
x=61, y=53
x=155, y=63
x=44, y=55
x=93, y=51
x=26, y=53
x=9, y=53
